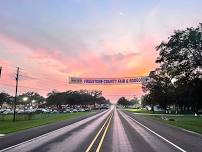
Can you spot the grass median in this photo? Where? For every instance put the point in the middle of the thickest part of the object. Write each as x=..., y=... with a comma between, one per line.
x=188, y=122
x=8, y=126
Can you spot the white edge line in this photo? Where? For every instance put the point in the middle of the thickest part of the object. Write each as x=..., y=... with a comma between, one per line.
x=28, y=141
x=158, y=135
x=176, y=127
x=37, y=137
x=171, y=115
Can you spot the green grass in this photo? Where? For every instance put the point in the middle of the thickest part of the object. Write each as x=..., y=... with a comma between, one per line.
x=142, y=111
x=30, y=116
x=8, y=126
x=188, y=122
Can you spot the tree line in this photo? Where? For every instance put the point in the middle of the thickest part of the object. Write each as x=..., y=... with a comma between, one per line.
x=125, y=102
x=56, y=98
x=178, y=79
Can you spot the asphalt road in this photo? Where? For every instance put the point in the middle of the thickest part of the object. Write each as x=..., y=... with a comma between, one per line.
x=111, y=131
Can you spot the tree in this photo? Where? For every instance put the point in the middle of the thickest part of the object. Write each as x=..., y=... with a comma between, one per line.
x=54, y=98
x=146, y=100
x=123, y=101
x=82, y=97
x=4, y=98
x=31, y=97
x=181, y=57
x=134, y=101
x=101, y=100
x=96, y=94
x=159, y=88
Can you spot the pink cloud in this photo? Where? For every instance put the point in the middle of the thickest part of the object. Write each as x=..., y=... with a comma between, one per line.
x=46, y=69
x=91, y=65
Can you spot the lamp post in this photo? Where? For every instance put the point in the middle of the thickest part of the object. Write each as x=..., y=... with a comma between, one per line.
x=32, y=102
x=173, y=81
x=24, y=99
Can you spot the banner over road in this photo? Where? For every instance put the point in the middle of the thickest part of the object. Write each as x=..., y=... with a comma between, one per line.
x=108, y=81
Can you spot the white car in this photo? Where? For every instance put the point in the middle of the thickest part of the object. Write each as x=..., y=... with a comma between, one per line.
x=67, y=110
x=2, y=110
x=55, y=111
x=8, y=111
x=81, y=110
x=20, y=111
x=75, y=110
x=30, y=110
x=45, y=110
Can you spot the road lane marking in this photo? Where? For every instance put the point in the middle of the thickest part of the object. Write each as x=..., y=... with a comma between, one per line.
x=54, y=131
x=90, y=146
x=103, y=136
x=155, y=114
x=157, y=134
x=1, y=135
x=120, y=137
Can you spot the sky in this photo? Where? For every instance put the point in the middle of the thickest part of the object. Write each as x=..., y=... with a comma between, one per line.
x=52, y=40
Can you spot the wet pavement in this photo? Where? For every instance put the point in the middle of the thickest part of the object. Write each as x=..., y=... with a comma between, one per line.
x=112, y=130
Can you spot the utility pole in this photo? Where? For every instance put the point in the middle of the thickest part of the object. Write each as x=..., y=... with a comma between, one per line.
x=16, y=92
x=0, y=70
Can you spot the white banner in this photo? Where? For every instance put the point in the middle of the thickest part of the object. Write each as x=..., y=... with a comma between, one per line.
x=108, y=81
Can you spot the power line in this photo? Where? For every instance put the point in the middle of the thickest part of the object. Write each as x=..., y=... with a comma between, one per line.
x=36, y=72
x=27, y=75
x=23, y=69
x=26, y=87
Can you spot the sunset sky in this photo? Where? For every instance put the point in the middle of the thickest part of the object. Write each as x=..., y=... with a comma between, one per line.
x=53, y=39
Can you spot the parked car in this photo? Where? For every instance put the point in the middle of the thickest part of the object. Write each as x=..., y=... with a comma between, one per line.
x=75, y=110
x=71, y=110
x=45, y=110
x=81, y=110
x=2, y=110
x=55, y=111
x=87, y=109
x=8, y=111
x=20, y=111
x=67, y=111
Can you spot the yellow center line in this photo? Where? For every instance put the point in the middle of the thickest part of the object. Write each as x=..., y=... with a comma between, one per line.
x=103, y=136
x=90, y=146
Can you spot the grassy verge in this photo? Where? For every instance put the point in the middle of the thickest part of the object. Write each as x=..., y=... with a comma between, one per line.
x=188, y=122
x=8, y=126
x=142, y=111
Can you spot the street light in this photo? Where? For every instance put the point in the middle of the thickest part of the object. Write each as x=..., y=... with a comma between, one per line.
x=173, y=81
x=24, y=99
x=32, y=102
